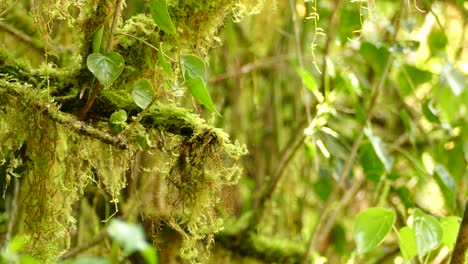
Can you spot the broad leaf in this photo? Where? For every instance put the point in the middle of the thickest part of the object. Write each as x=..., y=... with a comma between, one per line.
x=106, y=67
x=437, y=41
x=310, y=83
x=142, y=93
x=410, y=77
x=193, y=66
x=450, y=227
x=407, y=243
x=371, y=164
x=194, y=73
x=427, y=232
x=198, y=90
x=164, y=63
x=158, y=9
x=130, y=236
x=380, y=150
x=446, y=184
x=118, y=121
x=375, y=56
x=371, y=227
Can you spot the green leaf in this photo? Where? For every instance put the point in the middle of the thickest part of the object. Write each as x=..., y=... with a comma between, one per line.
x=118, y=121
x=106, y=67
x=97, y=40
x=450, y=226
x=130, y=236
x=194, y=73
x=310, y=83
x=437, y=41
x=150, y=255
x=193, y=66
x=430, y=112
x=427, y=232
x=349, y=23
x=371, y=227
x=407, y=243
x=410, y=77
x=198, y=90
x=160, y=14
x=375, y=56
x=446, y=184
x=143, y=93
x=371, y=164
x=324, y=185
x=164, y=63
x=380, y=150
x=454, y=79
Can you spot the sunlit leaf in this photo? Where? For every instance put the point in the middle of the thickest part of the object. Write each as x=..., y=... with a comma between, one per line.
x=310, y=83
x=450, y=226
x=143, y=93
x=407, y=243
x=162, y=60
x=446, y=184
x=160, y=14
x=427, y=232
x=371, y=228
x=130, y=236
x=380, y=150
x=106, y=67
x=437, y=41
x=454, y=79
x=410, y=77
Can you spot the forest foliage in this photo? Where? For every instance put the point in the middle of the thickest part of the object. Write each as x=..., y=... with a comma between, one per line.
x=233, y=131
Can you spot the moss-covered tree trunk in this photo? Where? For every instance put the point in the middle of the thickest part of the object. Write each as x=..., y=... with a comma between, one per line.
x=68, y=167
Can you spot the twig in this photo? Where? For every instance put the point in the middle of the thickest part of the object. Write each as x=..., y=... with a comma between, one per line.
x=77, y=250
x=21, y=36
x=318, y=231
x=300, y=58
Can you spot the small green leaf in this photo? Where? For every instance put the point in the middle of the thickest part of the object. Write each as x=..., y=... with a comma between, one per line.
x=450, y=225
x=106, y=67
x=97, y=40
x=430, y=112
x=193, y=66
x=407, y=243
x=380, y=150
x=142, y=93
x=194, y=73
x=198, y=90
x=160, y=14
x=150, y=255
x=371, y=227
x=410, y=77
x=118, y=121
x=427, y=232
x=375, y=56
x=87, y=260
x=437, y=41
x=310, y=83
x=371, y=164
x=130, y=236
x=446, y=184
x=164, y=63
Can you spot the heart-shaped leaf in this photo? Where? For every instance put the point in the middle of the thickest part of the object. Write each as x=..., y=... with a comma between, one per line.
x=158, y=9
x=193, y=66
x=106, y=67
x=427, y=232
x=142, y=93
x=407, y=243
x=371, y=228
